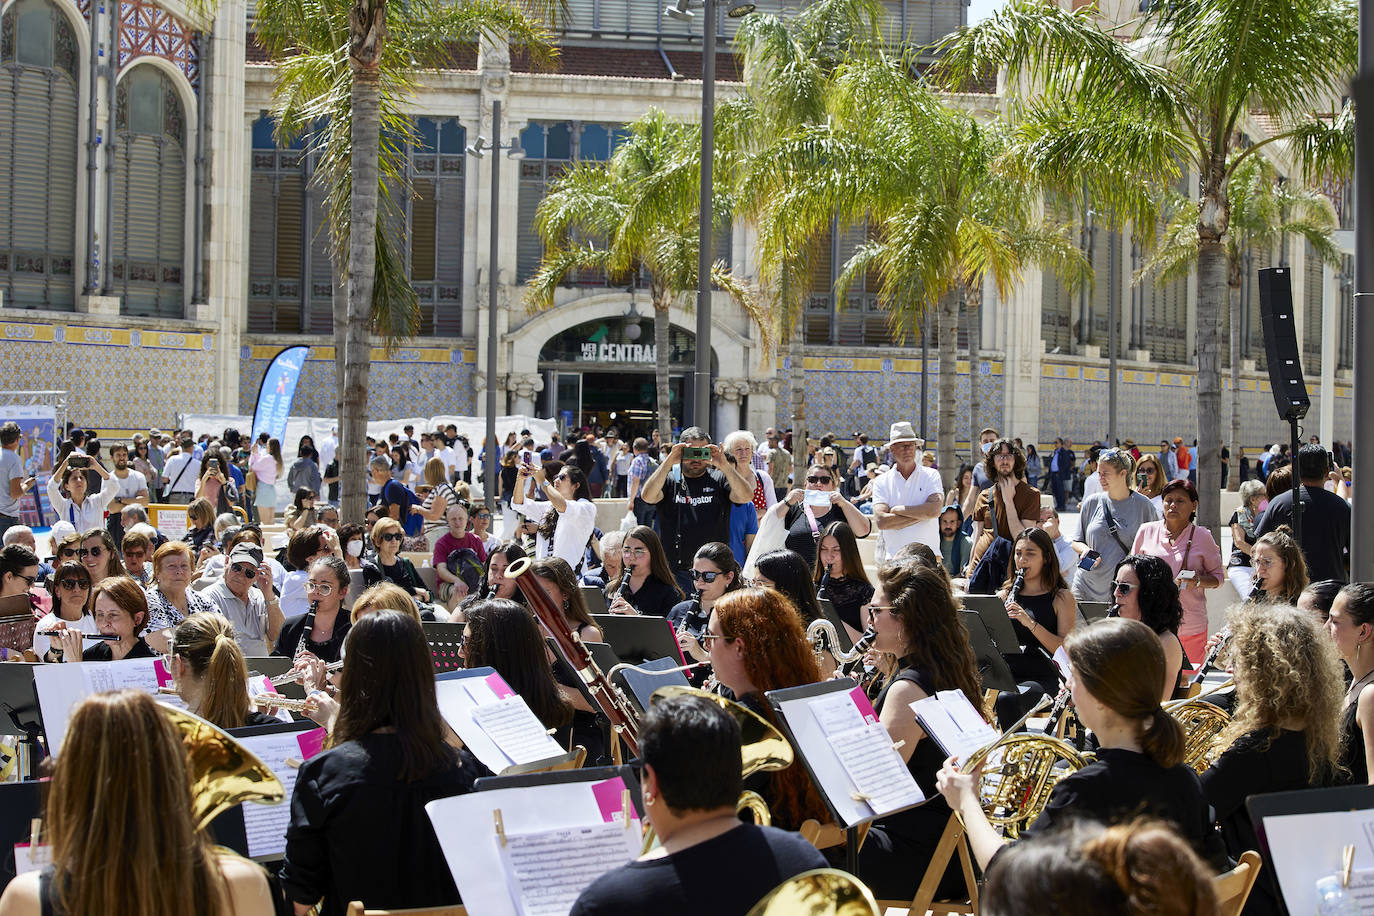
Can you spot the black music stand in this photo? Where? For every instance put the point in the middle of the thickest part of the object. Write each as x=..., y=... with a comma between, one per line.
x=1092, y=611
x=275, y=666
x=1339, y=816
x=19, y=708
x=444, y=640
x=228, y=828
x=994, y=614
x=638, y=639
x=991, y=665
x=594, y=597
x=627, y=775
x=639, y=686
x=833, y=616
x=20, y=803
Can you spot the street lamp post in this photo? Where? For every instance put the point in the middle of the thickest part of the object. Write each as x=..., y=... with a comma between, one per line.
x=478, y=148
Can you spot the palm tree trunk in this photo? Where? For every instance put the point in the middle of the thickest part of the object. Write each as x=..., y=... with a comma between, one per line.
x=1233, y=302
x=339, y=299
x=948, y=341
x=796, y=366
x=661, y=323
x=973, y=304
x=367, y=26
x=1212, y=286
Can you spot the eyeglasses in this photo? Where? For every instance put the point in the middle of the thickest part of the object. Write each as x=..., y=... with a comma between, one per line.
x=871, y=610
x=818, y=479
x=29, y=579
x=707, y=637
x=1122, y=588
x=323, y=589
x=91, y=551
x=74, y=583
x=707, y=577
x=244, y=569
x=392, y=536
x=635, y=551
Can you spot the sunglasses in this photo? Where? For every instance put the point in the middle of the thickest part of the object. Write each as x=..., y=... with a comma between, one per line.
x=68, y=551
x=91, y=551
x=1122, y=588
x=819, y=479
x=244, y=569
x=707, y=577
x=74, y=583
x=393, y=536
x=483, y=515
x=27, y=579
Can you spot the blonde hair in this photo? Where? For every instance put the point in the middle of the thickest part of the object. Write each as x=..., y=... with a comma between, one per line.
x=384, y=525
x=435, y=472
x=206, y=642
x=1286, y=669
x=384, y=596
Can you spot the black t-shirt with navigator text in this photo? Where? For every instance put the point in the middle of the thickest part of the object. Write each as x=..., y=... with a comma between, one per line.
x=693, y=511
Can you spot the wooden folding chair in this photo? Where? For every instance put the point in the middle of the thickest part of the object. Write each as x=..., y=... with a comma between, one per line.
x=356, y=908
x=951, y=841
x=1233, y=887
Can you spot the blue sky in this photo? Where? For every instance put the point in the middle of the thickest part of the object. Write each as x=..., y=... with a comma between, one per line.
x=978, y=10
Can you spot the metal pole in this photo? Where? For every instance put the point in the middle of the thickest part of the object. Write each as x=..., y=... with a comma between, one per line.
x=1362, y=518
x=701, y=402
x=491, y=485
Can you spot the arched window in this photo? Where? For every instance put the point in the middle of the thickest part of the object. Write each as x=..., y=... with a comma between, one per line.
x=149, y=191
x=38, y=151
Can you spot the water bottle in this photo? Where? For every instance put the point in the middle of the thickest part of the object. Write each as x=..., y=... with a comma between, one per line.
x=1333, y=900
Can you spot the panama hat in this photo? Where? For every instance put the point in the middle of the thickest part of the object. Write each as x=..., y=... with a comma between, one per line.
x=902, y=432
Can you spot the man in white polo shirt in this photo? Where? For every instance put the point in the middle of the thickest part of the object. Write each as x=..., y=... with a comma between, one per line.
x=907, y=499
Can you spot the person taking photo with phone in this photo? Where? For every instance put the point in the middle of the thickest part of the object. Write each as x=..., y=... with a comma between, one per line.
x=68, y=495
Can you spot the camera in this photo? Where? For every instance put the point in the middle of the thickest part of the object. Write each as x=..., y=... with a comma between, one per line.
x=696, y=453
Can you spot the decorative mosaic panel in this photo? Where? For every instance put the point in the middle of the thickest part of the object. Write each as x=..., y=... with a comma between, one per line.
x=116, y=378
x=412, y=382
x=148, y=30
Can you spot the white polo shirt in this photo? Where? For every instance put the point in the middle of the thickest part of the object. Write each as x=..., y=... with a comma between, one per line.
x=892, y=489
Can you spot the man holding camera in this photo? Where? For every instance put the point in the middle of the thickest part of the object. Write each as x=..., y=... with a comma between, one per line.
x=694, y=500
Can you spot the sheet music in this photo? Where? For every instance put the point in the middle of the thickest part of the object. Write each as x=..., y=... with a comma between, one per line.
x=951, y=720
x=549, y=868
x=265, y=825
x=513, y=727
x=61, y=687
x=1306, y=847
x=260, y=684
x=835, y=713
x=877, y=770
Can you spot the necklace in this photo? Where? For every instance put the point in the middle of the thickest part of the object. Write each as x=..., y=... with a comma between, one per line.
x=1355, y=688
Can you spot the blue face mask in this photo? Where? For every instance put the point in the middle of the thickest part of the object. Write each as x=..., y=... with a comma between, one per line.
x=985, y=446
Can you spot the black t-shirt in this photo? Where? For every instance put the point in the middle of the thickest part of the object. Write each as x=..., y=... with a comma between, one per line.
x=800, y=539
x=101, y=652
x=332, y=470
x=848, y=596
x=1325, y=530
x=723, y=876
x=290, y=637
x=692, y=512
x=654, y=598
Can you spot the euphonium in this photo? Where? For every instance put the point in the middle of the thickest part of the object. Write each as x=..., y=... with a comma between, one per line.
x=1016, y=785
x=608, y=697
x=223, y=772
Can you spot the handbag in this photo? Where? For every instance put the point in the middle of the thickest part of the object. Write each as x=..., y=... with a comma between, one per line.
x=772, y=534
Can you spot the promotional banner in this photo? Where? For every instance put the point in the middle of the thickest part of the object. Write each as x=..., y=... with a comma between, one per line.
x=276, y=393
x=37, y=443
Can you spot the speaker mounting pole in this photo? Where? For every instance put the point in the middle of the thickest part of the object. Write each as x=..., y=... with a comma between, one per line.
x=1362, y=514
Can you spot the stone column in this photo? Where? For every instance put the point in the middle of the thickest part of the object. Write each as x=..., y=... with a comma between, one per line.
x=763, y=403
x=1021, y=341
x=522, y=387
x=729, y=392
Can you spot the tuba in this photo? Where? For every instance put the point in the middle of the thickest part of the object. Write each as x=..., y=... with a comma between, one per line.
x=1019, y=772
x=223, y=772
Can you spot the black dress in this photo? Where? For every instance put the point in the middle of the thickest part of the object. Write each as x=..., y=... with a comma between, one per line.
x=330, y=650
x=1352, y=745
x=586, y=728
x=847, y=595
x=357, y=832
x=899, y=847
x=1256, y=763
x=1033, y=668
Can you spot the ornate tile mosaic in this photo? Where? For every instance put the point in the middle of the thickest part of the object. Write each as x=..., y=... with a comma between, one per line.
x=397, y=387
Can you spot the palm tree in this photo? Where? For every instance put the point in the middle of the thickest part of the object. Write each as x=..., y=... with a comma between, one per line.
x=1264, y=211
x=344, y=71
x=1110, y=118
x=927, y=180
x=636, y=215
x=788, y=66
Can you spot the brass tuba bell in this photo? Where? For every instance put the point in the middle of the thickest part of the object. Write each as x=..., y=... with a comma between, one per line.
x=820, y=892
x=223, y=772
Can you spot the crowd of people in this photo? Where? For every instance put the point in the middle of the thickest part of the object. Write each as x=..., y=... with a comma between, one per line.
x=741, y=556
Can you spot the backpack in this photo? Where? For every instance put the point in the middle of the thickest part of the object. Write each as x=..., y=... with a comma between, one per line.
x=396, y=493
x=464, y=564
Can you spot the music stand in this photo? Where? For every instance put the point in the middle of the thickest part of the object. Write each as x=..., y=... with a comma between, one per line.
x=20, y=803
x=833, y=616
x=994, y=614
x=639, y=686
x=444, y=640
x=275, y=666
x=1092, y=611
x=229, y=828
x=1303, y=834
x=594, y=597
x=19, y=708
x=639, y=639
x=601, y=652
x=586, y=774
x=991, y=665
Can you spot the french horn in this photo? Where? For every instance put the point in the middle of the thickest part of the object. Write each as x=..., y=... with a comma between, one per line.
x=1202, y=722
x=820, y=892
x=223, y=772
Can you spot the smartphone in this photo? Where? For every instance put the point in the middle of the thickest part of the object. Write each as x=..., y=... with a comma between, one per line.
x=1089, y=558
x=1140, y=481
x=695, y=453
x=1186, y=575
x=79, y=461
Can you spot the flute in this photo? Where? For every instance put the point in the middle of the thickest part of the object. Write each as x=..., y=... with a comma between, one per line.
x=108, y=637
x=293, y=676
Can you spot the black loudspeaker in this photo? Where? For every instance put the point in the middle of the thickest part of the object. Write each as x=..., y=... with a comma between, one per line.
x=1281, y=343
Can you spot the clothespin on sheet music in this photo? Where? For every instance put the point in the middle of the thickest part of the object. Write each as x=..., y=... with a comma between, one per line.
x=500, y=826
x=1347, y=862
x=898, y=745
x=625, y=810
x=861, y=797
x=35, y=832
x=293, y=762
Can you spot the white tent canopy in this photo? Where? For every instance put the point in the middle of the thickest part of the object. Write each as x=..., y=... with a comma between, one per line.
x=475, y=428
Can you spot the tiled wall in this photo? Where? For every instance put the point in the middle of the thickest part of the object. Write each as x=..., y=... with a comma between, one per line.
x=409, y=382
x=116, y=376
x=866, y=395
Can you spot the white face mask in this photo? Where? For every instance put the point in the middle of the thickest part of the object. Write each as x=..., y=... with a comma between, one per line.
x=355, y=547
x=985, y=446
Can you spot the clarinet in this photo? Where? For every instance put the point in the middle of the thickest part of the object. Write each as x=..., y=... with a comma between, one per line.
x=825, y=580
x=1257, y=592
x=1061, y=702
x=1210, y=662
x=305, y=632
x=861, y=647
x=1016, y=585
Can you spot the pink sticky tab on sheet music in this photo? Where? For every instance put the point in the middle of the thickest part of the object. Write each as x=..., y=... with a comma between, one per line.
x=312, y=742
x=865, y=707
x=499, y=686
x=609, y=795
x=164, y=677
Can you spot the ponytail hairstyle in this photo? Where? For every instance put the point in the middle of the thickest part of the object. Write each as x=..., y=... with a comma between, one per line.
x=274, y=449
x=205, y=641
x=1086, y=869
x=1121, y=663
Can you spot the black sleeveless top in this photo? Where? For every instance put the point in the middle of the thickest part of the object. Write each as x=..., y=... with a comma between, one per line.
x=1352, y=748
x=47, y=893
x=848, y=595
x=1034, y=664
